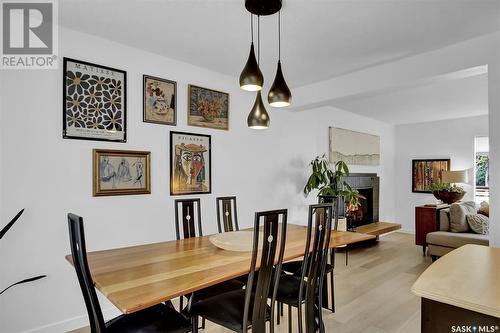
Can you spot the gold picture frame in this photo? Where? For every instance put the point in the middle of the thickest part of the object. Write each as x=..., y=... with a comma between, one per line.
x=121, y=172
x=208, y=108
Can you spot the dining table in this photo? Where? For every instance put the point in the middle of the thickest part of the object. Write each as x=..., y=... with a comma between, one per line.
x=137, y=277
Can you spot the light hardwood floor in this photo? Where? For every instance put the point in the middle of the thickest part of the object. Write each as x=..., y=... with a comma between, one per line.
x=373, y=291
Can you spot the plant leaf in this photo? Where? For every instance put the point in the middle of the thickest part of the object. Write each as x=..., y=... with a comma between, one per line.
x=23, y=281
x=11, y=223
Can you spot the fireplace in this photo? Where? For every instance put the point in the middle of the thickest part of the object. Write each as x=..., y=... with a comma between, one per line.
x=368, y=185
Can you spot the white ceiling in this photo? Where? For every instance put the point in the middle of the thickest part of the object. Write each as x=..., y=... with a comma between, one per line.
x=452, y=97
x=321, y=39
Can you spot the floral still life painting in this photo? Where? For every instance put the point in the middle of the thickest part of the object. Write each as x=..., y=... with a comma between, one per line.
x=190, y=163
x=159, y=101
x=120, y=172
x=94, y=99
x=208, y=108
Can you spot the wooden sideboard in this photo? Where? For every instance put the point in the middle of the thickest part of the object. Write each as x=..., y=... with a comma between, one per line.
x=426, y=220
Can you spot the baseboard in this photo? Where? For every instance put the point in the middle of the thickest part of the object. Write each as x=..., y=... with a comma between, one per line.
x=72, y=323
x=407, y=231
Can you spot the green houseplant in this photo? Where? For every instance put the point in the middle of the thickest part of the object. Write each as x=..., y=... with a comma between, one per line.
x=447, y=193
x=328, y=179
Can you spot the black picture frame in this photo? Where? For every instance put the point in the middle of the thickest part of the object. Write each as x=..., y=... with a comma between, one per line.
x=415, y=162
x=144, y=117
x=65, y=134
x=173, y=163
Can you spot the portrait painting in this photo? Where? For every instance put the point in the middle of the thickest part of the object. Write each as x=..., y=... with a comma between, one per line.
x=121, y=172
x=426, y=172
x=208, y=108
x=94, y=102
x=159, y=101
x=190, y=163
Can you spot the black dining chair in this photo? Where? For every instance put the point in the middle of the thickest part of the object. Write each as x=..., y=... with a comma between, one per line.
x=295, y=267
x=158, y=318
x=188, y=211
x=227, y=214
x=239, y=310
x=306, y=288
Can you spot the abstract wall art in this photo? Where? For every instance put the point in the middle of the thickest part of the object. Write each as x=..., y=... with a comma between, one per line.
x=94, y=102
x=427, y=171
x=190, y=163
x=354, y=148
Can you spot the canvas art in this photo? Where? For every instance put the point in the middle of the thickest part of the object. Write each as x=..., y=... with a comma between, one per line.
x=354, y=148
x=208, y=108
x=94, y=99
x=190, y=163
x=426, y=172
x=120, y=172
x=159, y=104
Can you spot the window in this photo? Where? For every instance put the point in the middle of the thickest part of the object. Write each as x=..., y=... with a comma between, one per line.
x=481, y=170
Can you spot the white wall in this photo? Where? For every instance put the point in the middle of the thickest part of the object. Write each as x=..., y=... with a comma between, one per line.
x=50, y=176
x=452, y=139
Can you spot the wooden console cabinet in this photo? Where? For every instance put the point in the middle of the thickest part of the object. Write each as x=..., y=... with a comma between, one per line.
x=426, y=220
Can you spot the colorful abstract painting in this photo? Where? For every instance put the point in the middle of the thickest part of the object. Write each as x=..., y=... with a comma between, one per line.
x=159, y=101
x=190, y=163
x=94, y=102
x=426, y=172
x=208, y=108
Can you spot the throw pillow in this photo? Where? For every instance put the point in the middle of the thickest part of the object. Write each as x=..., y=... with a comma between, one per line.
x=478, y=223
x=484, y=209
x=458, y=213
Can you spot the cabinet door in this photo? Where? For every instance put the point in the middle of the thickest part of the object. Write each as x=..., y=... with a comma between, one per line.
x=425, y=222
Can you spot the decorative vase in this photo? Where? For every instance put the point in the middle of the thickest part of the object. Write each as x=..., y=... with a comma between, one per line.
x=448, y=197
x=208, y=117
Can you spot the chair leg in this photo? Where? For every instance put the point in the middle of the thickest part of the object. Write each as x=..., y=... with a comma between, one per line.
x=278, y=312
x=289, y=318
x=332, y=290
x=203, y=323
x=194, y=324
x=346, y=255
x=181, y=303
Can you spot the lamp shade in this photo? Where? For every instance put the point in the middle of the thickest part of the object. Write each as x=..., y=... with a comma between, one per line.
x=258, y=118
x=456, y=176
x=251, y=78
x=279, y=95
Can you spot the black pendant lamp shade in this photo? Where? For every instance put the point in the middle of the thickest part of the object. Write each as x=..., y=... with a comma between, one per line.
x=279, y=96
x=263, y=7
x=251, y=78
x=258, y=118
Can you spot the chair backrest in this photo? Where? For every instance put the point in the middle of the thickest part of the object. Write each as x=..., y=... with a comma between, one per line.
x=314, y=263
x=189, y=211
x=270, y=246
x=335, y=201
x=227, y=214
x=79, y=254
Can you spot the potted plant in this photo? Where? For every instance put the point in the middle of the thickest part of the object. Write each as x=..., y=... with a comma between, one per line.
x=447, y=193
x=328, y=179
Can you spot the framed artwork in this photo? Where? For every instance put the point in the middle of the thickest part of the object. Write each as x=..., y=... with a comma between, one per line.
x=426, y=172
x=159, y=105
x=94, y=102
x=121, y=172
x=354, y=148
x=190, y=163
x=208, y=108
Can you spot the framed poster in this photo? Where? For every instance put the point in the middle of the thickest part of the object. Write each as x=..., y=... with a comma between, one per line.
x=426, y=172
x=94, y=102
x=159, y=101
x=190, y=163
x=354, y=148
x=121, y=172
x=208, y=108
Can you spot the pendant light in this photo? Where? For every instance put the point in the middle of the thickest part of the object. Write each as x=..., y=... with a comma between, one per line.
x=258, y=118
x=279, y=95
x=251, y=78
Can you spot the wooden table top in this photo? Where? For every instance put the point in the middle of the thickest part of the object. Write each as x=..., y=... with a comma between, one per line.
x=467, y=277
x=378, y=228
x=137, y=277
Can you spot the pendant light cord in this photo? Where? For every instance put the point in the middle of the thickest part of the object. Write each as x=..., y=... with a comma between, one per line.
x=258, y=39
x=251, y=26
x=279, y=35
